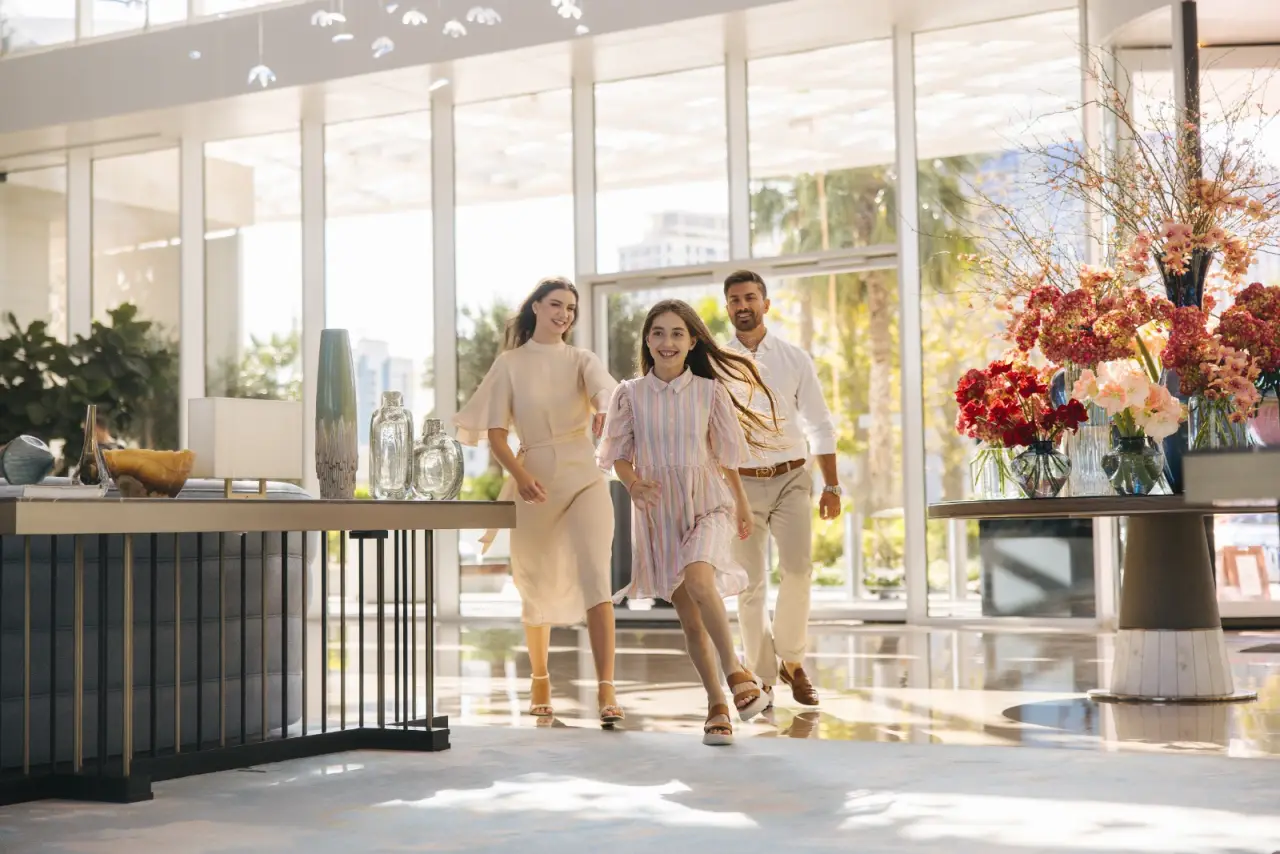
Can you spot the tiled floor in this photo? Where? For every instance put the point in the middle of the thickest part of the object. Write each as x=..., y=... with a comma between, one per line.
x=887, y=684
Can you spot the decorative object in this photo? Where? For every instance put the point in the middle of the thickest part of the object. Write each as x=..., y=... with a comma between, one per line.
x=1213, y=423
x=414, y=18
x=242, y=439
x=337, y=454
x=261, y=74
x=91, y=469
x=484, y=15
x=1136, y=466
x=1041, y=470
x=391, y=449
x=149, y=474
x=454, y=29
x=992, y=478
x=1010, y=406
x=382, y=46
x=437, y=463
x=568, y=8
x=1085, y=447
x=25, y=460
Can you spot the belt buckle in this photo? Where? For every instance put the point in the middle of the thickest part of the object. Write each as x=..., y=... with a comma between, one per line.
x=772, y=471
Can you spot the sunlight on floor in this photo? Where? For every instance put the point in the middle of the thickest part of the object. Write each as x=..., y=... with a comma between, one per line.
x=1051, y=824
x=588, y=799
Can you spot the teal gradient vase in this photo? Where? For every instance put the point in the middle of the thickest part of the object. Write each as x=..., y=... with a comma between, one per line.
x=336, y=450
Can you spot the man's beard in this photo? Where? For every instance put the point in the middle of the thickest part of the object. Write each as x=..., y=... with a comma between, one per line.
x=746, y=322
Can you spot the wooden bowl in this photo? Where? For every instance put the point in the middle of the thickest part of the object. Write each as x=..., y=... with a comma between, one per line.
x=149, y=474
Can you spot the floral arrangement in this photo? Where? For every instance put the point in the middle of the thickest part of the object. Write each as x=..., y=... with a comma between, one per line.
x=1009, y=407
x=1138, y=404
x=1252, y=325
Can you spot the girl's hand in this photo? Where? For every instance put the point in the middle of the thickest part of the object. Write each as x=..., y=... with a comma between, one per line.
x=746, y=522
x=530, y=490
x=645, y=493
x=597, y=425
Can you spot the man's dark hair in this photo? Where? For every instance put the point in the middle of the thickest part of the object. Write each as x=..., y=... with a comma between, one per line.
x=741, y=277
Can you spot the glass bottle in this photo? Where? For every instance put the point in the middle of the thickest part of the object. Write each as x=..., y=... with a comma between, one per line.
x=91, y=470
x=437, y=464
x=391, y=449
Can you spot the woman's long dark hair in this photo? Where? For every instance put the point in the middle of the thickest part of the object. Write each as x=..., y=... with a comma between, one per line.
x=709, y=360
x=520, y=328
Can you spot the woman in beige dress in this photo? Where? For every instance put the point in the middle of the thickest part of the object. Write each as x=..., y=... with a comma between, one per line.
x=554, y=395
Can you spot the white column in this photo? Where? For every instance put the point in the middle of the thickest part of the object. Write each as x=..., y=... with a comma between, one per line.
x=313, y=297
x=445, y=315
x=191, y=304
x=84, y=19
x=915, y=554
x=584, y=188
x=735, y=83
x=79, y=242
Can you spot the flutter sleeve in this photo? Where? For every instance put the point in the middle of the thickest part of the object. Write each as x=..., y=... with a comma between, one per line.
x=596, y=380
x=490, y=406
x=619, y=440
x=728, y=440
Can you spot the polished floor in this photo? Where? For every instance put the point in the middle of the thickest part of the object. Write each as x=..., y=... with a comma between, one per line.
x=884, y=684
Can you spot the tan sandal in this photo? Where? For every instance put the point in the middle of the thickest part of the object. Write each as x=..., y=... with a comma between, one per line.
x=748, y=694
x=718, y=730
x=540, y=710
x=611, y=713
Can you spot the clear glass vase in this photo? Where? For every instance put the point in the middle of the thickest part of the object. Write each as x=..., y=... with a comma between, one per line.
x=1041, y=471
x=1264, y=426
x=1135, y=465
x=1087, y=446
x=1210, y=426
x=989, y=470
x=437, y=464
x=391, y=449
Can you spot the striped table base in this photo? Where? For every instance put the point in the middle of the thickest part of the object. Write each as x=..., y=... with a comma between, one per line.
x=1156, y=666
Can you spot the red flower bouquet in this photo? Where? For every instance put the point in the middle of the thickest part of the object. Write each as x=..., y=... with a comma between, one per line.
x=1008, y=406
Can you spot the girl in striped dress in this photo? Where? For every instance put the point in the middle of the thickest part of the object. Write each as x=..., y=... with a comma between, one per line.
x=676, y=437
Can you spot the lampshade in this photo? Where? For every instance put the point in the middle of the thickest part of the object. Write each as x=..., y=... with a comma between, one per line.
x=237, y=439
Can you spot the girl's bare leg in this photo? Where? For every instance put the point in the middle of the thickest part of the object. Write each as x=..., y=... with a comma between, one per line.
x=538, y=640
x=699, y=584
x=600, y=630
x=699, y=644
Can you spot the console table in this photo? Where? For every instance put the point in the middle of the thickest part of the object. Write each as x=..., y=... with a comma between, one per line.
x=205, y=585
x=1169, y=647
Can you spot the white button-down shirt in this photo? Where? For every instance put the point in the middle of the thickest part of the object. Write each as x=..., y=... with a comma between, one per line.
x=803, y=417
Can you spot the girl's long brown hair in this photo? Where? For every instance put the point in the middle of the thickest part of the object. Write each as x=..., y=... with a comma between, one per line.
x=520, y=328
x=709, y=360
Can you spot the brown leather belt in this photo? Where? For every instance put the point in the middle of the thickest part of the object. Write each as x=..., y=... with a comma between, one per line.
x=772, y=471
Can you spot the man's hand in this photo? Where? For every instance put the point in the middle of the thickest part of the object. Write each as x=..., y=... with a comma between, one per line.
x=829, y=506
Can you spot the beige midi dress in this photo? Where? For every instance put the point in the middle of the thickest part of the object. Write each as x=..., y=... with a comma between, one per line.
x=560, y=549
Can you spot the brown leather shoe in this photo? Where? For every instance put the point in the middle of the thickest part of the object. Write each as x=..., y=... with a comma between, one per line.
x=801, y=688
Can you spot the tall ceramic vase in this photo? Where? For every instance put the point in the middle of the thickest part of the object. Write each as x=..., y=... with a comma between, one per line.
x=336, y=449
x=1183, y=289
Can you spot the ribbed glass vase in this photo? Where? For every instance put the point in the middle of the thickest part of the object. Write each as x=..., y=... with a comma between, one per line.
x=1087, y=446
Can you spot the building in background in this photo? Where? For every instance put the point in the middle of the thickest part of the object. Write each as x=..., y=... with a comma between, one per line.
x=678, y=239
x=378, y=371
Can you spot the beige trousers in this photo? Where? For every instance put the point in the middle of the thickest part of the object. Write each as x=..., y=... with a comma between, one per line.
x=783, y=508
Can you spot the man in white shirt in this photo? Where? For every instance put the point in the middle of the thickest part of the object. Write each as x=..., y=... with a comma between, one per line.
x=780, y=487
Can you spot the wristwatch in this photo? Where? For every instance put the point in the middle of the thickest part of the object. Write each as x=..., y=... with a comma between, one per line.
x=833, y=490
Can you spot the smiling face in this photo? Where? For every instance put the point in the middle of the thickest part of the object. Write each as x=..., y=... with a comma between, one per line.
x=669, y=342
x=555, y=313
x=746, y=305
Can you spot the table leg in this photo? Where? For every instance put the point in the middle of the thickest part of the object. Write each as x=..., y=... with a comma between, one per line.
x=1169, y=647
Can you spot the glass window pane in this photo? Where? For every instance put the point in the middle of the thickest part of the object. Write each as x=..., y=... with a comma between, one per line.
x=514, y=178
x=33, y=248
x=849, y=323
x=137, y=267
x=982, y=92
x=822, y=150
x=36, y=23
x=662, y=189
x=253, y=267
x=378, y=259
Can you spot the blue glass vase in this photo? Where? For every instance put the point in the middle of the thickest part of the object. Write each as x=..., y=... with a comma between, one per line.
x=1183, y=289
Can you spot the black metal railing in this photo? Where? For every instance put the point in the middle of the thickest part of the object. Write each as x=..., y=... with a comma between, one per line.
x=139, y=662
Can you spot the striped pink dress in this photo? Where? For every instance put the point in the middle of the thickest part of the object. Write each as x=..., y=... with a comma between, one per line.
x=678, y=434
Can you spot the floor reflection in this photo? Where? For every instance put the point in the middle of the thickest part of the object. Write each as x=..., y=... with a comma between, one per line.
x=1010, y=688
